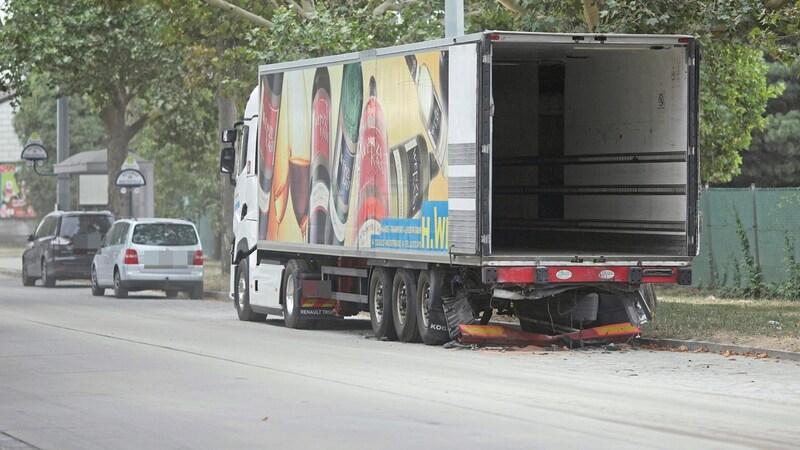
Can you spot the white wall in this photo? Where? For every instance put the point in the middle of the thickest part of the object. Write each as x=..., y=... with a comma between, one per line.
x=10, y=146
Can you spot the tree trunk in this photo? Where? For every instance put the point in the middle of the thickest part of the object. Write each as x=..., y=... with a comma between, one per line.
x=226, y=107
x=118, y=139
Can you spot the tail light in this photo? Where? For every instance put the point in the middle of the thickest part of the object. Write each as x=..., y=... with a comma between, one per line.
x=131, y=257
x=198, y=258
x=61, y=240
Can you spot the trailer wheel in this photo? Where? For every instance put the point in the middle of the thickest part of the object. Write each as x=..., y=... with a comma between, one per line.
x=241, y=294
x=293, y=294
x=380, y=304
x=404, y=305
x=431, y=321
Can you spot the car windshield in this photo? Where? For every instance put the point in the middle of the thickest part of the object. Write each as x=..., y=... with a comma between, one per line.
x=87, y=224
x=164, y=234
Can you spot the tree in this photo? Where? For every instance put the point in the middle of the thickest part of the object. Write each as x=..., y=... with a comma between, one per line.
x=108, y=52
x=37, y=114
x=772, y=160
x=734, y=36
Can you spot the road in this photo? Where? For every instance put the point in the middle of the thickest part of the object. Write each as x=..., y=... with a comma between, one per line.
x=83, y=372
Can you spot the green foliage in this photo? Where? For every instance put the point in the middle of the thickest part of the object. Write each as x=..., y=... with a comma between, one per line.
x=791, y=288
x=772, y=160
x=110, y=53
x=734, y=36
x=336, y=28
x=182, y=146
x=733, y=101
x=37, y=114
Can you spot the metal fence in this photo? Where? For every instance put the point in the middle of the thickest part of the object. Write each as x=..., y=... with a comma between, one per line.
x=768, y=217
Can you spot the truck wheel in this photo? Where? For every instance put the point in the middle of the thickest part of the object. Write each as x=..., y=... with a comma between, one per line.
x=430, y=320
x=241, y=295
x=404, y=305
x=380, y=304
x=293, y=294
x=97, y=291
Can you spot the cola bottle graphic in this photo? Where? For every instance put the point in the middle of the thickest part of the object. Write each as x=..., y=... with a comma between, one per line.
x=431, y=108
x=320, y=156
x=350, y=103
x=271, y=88
x=411, y=167
x=373, y=171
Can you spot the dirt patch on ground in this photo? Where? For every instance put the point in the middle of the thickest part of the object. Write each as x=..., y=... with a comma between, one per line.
x=785, y=343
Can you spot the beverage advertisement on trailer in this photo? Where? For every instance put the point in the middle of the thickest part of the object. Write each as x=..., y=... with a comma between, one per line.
x=355, y=155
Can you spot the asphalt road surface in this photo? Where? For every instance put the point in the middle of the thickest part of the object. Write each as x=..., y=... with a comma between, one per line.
x=83, y=372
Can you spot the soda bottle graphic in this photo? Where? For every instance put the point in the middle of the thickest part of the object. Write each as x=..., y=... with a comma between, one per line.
x=411, y=167
x=352, y=98
x=271, y=87
x=431, y=108
x=320, y=156
x=373, y=171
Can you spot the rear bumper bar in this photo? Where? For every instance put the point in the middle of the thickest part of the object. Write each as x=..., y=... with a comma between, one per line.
x=543, y=275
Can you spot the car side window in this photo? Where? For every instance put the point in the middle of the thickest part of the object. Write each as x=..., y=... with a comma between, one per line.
x=40, y=230
x=121, y=236
x=47, y=227
x=109, y=238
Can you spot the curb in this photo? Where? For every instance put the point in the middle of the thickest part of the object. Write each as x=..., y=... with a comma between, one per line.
x=214, y=295
x=720, y=348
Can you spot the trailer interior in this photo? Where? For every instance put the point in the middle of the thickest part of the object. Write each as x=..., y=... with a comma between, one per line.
x=591, y=158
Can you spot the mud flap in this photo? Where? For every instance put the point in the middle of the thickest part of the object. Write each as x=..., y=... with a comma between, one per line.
x=316, y=302
x=458, y=312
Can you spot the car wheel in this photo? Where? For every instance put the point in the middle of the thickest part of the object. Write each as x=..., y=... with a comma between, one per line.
x=119, y=291
x=293, y=294
x=97, y=291
x=380, y=304
x=404, y=305
x=171, y=293
x=47, y=280
x=241, y=295
x=26, y=280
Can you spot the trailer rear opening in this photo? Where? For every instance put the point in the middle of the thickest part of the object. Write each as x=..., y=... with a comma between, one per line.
x=590, y=147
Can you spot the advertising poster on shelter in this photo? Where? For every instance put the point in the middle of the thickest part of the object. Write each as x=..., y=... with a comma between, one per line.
x=14, y=200
x=355, y=155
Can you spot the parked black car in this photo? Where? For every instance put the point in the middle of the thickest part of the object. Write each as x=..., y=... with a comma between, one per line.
x=63, y=246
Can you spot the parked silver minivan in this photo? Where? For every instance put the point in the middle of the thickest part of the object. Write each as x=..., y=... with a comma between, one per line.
x=149, y=254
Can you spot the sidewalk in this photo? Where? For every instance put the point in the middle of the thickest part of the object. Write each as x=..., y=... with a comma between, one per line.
x=11, y=265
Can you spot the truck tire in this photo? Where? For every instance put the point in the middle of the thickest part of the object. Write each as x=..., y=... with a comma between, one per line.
x=380, y=304
x=404, y=305
x=431, y=321
x=241, y=294
x=293, y=294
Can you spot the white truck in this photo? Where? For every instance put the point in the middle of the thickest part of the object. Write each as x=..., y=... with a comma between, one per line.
x=548, y=176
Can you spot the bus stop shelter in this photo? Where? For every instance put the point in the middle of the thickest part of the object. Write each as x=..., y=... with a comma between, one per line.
x=91, y=170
